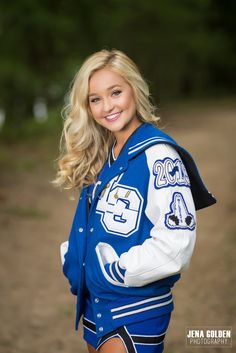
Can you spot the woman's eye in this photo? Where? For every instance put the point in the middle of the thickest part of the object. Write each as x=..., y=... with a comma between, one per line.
x=116, y=93
x=94, y=100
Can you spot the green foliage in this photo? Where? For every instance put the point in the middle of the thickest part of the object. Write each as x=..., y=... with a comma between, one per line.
x=29, y=129
x=183, y=48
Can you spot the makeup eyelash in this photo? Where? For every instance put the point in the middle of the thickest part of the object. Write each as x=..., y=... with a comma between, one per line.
x=94, y=100
x=117, y=92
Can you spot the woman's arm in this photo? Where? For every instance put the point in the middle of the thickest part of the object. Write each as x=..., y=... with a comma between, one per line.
x=170, y=208
x=72, y=251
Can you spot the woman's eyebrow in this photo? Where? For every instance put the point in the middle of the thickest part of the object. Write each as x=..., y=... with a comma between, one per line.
x=108, y=89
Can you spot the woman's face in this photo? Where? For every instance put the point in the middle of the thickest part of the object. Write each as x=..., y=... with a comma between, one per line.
x=112, y=103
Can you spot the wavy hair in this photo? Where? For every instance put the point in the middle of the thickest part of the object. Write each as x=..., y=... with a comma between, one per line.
x=84, y=144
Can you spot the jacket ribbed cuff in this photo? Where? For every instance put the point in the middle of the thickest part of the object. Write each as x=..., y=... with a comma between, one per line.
x=115, y=271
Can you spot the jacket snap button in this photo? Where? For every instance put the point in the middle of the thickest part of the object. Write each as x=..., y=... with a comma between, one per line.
x=99, y=315
x=96, y=300
x=121, y=168
x=81, y=230
x=100, y=329
x=91, y=229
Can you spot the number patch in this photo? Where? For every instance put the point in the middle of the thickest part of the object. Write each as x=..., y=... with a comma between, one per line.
x=169, y=172
x=120, y=207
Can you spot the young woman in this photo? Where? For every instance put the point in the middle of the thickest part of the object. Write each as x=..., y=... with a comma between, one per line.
x=134, y=227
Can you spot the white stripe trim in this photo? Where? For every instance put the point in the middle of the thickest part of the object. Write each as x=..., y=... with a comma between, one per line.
x=89, y=321
x=148, y=336
x=140, y=143
x=89, y=329
x=105, y=274
x=108, y=338
x=115, y=335
x=118, y=271
x=130, y=336
x=112, y=273
x=126, y=348
x=147, y=143
x=140, y=302
x=141, y=310
x=149, y=344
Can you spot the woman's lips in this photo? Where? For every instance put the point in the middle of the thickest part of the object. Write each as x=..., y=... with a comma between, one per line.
x=113, y=117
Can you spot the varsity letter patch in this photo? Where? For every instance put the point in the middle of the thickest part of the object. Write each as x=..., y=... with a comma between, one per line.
x=120, y=207
x=179, y=217
x=170, y=172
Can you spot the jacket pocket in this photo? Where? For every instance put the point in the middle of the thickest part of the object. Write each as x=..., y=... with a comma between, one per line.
x=109, y=264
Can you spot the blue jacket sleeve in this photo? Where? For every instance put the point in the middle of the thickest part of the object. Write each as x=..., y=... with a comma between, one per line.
x=74, y=257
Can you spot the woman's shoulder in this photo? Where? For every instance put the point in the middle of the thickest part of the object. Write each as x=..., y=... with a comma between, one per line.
x=161, y=151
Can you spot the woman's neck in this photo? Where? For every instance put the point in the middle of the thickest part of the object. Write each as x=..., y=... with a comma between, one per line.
x=122, y=136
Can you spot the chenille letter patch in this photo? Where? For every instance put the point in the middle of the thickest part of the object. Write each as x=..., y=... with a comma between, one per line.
x=179, y=216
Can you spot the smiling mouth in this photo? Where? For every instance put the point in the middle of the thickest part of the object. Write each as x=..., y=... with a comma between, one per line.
x=113, y=117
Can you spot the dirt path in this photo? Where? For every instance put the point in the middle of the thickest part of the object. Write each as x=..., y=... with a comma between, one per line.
x=37, y=310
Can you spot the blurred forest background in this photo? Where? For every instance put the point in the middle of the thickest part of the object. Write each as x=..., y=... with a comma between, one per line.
x=186, y=50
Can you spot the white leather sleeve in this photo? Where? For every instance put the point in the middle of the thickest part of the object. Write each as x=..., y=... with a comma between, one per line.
x=170, y=208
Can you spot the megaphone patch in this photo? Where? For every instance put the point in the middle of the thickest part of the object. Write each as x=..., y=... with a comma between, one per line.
x=179, y=217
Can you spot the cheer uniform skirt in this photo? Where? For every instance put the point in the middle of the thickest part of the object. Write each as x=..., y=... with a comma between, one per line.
x=141, y=337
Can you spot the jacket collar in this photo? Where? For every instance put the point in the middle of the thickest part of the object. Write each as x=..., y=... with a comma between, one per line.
x=143, y=137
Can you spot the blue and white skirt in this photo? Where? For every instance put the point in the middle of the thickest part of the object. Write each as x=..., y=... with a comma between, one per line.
x=140, y=337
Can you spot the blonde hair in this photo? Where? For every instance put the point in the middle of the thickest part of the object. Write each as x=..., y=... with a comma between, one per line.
x=84, y=143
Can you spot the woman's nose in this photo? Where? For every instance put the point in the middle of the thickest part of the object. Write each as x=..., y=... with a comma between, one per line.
x=107, y=105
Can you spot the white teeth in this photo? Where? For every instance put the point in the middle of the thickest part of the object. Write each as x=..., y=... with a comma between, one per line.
x=113, y=116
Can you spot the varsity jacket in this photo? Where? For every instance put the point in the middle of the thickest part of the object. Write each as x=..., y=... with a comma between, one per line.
x=130, y=245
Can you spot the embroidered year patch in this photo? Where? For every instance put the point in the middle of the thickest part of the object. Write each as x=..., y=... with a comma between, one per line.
x=179, y=217
x=170, y=172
